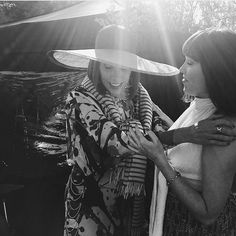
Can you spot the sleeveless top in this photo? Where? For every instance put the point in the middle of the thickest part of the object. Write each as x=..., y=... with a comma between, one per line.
x=185, y=158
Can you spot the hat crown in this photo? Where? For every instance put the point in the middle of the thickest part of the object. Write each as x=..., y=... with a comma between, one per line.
x=116, y=37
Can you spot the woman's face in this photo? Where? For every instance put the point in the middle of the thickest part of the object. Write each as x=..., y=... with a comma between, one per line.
x=115, y=79
x=193, y=78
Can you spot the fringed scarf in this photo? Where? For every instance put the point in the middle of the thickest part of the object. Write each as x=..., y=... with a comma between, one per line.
x=129, y=174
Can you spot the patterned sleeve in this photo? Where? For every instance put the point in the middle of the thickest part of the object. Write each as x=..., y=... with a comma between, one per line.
x=86, y=114
x=160, y=121
x=150, y=113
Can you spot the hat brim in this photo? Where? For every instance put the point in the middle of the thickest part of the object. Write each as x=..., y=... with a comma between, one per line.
x=79, y=59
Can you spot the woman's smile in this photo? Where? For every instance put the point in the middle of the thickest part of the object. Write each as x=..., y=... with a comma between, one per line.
x=115, y=79
x=116, y=84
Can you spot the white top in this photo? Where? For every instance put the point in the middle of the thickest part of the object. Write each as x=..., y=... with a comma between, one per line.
x=185, y=158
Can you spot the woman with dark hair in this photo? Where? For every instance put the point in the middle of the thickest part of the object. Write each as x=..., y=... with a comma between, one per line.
x=105, y=193
x=199, y=178
x=216, y=53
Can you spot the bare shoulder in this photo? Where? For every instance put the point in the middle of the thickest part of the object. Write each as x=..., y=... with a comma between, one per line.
x=224, y=155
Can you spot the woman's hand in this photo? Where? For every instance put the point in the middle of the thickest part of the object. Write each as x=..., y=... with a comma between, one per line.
x=149, y=147
x=215, y=130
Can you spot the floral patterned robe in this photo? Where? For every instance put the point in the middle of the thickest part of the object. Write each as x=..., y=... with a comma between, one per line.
x=95, y=144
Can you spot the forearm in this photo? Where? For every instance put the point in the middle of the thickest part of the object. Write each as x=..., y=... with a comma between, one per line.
x=109, y=138
x=175, y=136
x=191, y=198
x=183, y=135
x=166, y=137
x=89, y=119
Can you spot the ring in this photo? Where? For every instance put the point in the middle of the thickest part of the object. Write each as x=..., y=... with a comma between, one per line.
x=219, y=129
x=196, y=125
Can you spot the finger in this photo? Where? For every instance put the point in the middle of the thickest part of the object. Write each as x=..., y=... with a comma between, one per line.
x=228, y=131
x=222, y=138
x=153, y=137
x=224, y=122
x=138, y=133
x=143, y=139
x=218, y=143
x=132, y=143
x=234, y=132
x=133, y=136
x=132, y=148
x=216, y=116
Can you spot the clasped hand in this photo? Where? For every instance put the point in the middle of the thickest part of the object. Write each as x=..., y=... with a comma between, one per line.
x=151, y=147
x=216, y=130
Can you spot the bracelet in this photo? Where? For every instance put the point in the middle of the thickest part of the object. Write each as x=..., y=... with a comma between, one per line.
x=172, y=180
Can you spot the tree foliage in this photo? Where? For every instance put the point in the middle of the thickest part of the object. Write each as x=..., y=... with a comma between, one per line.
x=5, y=9
x=176, y=15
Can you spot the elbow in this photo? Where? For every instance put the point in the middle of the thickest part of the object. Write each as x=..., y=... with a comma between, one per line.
x=207, y=215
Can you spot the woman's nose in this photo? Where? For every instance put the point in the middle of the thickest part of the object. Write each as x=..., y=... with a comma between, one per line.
x=181, y=69
x=116, y=75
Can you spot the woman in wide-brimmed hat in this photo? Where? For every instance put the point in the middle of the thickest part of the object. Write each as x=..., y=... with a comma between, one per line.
x=105, y=193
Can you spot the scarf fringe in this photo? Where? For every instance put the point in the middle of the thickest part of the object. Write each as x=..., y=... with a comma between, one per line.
x=131, y=189
x=127, y=189
x=136, y=231
x=117, y=174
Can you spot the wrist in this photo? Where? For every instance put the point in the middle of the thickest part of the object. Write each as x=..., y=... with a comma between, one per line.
x=167, y=137
x=170, y=174
x=172, y=179
x=160, y=160
x=164, y=167
x=182, y=135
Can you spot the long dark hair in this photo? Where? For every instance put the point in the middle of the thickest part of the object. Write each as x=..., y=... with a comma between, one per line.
x=95, y=76
x=215, y=50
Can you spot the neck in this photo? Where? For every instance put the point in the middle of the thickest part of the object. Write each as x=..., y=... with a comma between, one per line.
x=121, y=96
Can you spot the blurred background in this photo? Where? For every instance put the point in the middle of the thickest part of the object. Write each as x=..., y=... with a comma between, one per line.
x=33, y=90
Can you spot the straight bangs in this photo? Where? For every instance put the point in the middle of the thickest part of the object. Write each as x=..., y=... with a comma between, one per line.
x=192, y=47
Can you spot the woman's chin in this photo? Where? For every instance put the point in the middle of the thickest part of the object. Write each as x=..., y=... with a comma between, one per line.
x=116, y=94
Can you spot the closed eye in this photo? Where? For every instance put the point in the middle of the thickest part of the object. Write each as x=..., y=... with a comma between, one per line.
x=189, y=61
x=108, y=67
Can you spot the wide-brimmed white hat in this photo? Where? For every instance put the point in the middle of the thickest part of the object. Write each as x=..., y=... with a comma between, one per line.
x=116, y=46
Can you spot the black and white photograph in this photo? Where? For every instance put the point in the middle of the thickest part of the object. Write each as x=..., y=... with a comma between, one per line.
x=118, y=118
